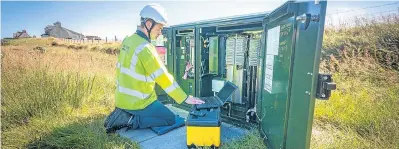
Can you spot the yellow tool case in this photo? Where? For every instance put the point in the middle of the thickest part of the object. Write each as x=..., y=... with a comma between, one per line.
x=203, y=128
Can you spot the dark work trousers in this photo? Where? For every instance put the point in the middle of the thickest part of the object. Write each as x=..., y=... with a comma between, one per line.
x=154, y=115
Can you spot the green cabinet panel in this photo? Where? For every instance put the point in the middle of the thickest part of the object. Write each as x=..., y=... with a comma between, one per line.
x=288, y=74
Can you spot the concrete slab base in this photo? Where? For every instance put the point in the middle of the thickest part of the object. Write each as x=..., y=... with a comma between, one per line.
x=176, y=139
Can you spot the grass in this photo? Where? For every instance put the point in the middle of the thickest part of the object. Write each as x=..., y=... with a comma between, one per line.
x=252, y=140
x=364, y=110
x=51, y=99
x=56, y=94
x=365, y=106
x=40, y=93
x=108, y=47
x=80, y=128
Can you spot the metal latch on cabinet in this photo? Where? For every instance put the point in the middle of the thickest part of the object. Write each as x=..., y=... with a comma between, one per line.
x=325, y=85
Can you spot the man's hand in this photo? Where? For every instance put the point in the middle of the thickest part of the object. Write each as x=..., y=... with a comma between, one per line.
x=193, y=100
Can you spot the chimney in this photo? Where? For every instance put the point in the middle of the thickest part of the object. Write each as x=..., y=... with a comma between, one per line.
x=58, y=23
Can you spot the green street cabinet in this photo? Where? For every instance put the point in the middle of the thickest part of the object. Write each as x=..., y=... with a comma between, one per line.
x=272, y=57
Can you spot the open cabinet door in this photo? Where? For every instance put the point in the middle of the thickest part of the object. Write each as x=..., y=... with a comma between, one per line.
x=289, y=59
x=166, y=55
x=168, y=38
x=185, y=64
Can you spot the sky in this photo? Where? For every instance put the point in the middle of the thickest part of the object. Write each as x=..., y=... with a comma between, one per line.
x=109, y=19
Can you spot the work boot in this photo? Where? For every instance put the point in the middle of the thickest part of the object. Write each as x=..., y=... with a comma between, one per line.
x=117, y=120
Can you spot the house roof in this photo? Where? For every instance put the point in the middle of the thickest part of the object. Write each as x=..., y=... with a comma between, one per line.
x=19, y=34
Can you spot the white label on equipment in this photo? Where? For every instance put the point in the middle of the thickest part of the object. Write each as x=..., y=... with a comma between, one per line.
x=273, y=39
x=273, y=42
x=269, y=73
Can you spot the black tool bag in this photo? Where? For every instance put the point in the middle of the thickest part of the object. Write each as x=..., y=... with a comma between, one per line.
x=118, y=119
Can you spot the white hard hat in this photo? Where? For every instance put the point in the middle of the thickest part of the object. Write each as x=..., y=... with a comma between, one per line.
x=155, y=12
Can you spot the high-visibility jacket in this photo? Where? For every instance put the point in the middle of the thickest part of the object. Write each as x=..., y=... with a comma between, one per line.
x=138, y=69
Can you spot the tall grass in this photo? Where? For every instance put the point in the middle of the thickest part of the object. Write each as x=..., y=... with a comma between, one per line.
x=49, y=101
x=365, y=104
x=379, y=41
x=364, y=110
x=108, y=47
x=40, y=93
